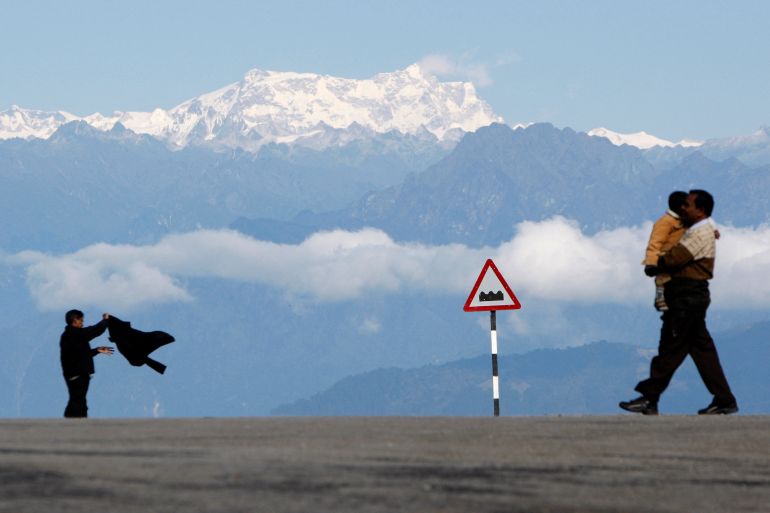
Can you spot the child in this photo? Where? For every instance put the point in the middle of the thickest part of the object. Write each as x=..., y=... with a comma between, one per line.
x=666, y=232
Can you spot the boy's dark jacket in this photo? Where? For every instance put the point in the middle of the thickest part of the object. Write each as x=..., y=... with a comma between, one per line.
x=136, y=345
x=77, y=357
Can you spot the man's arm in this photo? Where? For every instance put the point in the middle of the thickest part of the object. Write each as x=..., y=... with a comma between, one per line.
x=677, y=257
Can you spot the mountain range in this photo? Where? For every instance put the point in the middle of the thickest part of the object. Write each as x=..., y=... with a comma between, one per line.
x=497, y=177
x=84, y=185
x=119, y=186
x=321, y=111
x=286, y=107
x=589, y=379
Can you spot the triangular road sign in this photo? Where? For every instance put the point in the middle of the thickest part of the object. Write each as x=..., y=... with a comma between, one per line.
x=491, y=292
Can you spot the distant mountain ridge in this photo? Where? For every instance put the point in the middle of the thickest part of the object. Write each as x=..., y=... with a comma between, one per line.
x=497, y=177
x=589, y=379
x=116, y=184
x=286, y=107
x=119, y=186
x=321, y=111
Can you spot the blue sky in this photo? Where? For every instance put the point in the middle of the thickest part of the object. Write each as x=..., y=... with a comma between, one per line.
x=681, y=69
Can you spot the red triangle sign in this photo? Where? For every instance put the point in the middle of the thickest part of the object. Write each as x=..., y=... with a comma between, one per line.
x=491, y=292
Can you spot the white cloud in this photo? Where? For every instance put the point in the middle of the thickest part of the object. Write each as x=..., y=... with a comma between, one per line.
x=742, y=267
x=445, y=66
x=550, y=260
x=115, y=276
x=554, y=260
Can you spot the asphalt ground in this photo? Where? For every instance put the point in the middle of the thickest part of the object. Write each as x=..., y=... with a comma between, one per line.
x=621, y=463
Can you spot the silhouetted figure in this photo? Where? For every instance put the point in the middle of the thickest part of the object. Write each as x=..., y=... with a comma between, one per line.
x=136, y=345
x=77, y=359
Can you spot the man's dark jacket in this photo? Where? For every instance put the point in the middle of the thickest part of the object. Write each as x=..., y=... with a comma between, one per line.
x=136, y=345
x=77, y=357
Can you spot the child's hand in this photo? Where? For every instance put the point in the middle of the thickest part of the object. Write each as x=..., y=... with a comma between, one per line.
x=651, y=270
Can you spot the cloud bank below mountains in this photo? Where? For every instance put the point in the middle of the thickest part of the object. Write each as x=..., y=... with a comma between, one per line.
x=550, y=260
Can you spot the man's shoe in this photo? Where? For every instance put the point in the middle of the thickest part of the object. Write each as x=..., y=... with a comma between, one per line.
x=640, y=405
x=714, y=409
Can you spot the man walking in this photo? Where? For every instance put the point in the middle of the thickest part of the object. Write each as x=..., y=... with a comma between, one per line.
x=690, y=264
x=77, y=359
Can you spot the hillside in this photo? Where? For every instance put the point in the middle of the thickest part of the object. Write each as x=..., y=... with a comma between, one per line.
x=590, y=379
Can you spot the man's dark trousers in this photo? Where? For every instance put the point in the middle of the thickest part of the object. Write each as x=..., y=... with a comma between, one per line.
x=684, y=332
x=77, y=406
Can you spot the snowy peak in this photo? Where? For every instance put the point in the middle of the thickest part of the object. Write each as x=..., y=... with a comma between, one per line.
x=27, y=123
x=270, y=106
x=641, y=140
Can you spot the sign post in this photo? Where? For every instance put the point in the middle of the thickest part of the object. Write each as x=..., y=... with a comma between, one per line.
x=492, y=293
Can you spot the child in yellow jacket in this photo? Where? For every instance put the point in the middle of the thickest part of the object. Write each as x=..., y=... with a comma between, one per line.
x=666, y=232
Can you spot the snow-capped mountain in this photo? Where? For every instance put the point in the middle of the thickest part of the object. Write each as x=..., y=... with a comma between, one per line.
x=25, y=123
x=641, y=140
x=288, y=107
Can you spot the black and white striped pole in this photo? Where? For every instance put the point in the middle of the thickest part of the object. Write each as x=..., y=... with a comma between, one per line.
x=492, y=293
x=495, y=379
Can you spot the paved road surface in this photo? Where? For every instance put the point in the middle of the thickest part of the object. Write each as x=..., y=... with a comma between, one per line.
x=472, y=465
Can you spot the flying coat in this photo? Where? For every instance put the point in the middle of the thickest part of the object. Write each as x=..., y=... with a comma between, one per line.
x=135, y=345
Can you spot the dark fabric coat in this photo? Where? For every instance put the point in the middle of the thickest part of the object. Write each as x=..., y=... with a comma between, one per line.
x=77, y=357
x=136, y=345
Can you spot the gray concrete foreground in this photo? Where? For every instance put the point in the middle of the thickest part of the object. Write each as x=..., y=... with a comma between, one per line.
x=507, y=465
